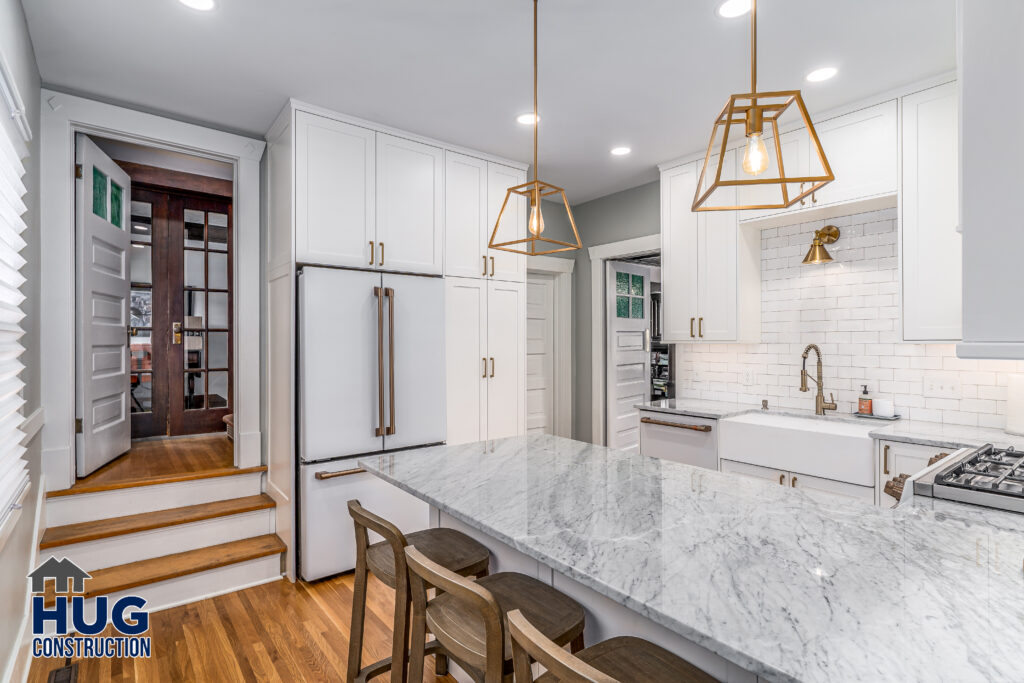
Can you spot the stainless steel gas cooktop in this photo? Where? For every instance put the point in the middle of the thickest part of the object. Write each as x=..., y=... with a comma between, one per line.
x=985, y=476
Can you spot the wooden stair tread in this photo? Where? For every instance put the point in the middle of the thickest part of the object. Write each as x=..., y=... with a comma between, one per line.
x=157, y=479
x=143, y=572
x=130, y=524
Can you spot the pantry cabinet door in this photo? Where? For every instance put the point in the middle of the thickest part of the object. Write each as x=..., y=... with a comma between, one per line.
x=503, y=265
x=335, y=181
x=716, y=267
x=932, y=252
x=465, y=211
x=506, y=356
x=466, y=357
x=679, y=253
x=410, y=206
x=861, y=147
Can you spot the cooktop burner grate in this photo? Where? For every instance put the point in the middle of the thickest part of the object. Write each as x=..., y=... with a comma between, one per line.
x=989, y=470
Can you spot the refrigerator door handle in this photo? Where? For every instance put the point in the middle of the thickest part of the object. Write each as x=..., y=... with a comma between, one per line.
x=390, y=294
x=377, y=292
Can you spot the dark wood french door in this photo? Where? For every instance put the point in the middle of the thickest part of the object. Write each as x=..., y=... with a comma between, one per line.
x=181, y=312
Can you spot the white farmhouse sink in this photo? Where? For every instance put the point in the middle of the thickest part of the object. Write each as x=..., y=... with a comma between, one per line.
x=833, y=449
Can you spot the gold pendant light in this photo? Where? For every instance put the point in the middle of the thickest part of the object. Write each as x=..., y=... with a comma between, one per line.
x=762, y=172
x=534, y=190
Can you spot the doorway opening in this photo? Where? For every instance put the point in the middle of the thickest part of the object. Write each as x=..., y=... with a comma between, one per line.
x=154, y=267
x=639, y=366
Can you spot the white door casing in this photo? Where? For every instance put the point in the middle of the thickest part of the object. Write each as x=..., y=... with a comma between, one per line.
x=506, y=359
x=103, y=237
x=628, y=355
x=467, y=363
x=410, y=206
x=540, y=353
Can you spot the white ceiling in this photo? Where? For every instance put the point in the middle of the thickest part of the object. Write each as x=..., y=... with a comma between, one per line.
x=650, y=74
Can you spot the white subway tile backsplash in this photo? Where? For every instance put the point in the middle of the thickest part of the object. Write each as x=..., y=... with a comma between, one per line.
x=849, y=308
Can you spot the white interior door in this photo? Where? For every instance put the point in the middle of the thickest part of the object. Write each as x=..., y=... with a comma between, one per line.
x=102, y=199
x=466, y=353
x=506, y=356
x=414, y=329
x=628, y=351
x=540, y=354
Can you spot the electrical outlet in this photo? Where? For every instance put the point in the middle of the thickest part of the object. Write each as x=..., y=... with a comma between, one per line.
x=748, y=377
x=942, y=385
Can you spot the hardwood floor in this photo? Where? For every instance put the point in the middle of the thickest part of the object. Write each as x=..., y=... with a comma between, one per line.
x=275, y=632
x=161, y=458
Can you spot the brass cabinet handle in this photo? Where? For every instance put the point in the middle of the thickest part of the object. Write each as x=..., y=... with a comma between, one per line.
x=390, y=294
x=802, y=202
x=782, y=480
x=792, y=482
x=485, y=368
x=492, y=266
x=700, y=328
x=814, y=197
x=371, y=252
x=485, y=265
x=492, y=366
x=691, y=327
x=334, y=475
x=885, y=459
x=677, y=425
x=380, y=361
x=381, y=245
x=176, y=330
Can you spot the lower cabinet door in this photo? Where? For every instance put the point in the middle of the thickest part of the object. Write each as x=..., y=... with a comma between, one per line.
x=467, y=363
x=831, y=488
x=780, y=477
x=896, y=458
x=671, y=437
x=506, y=359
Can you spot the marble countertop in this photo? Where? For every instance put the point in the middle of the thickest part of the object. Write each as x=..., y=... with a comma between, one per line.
x=784, y=584
x=696, y=408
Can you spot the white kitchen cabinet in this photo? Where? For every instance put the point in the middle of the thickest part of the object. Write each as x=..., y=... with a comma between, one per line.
x=504, y=265
x=465, y=206
x=931, y=248
x=335, y=182
x=795, y=158
x=780, y=477
x=410, y=206
x=861, y=147
x=818, y=486
x=711, y=267
x=896, y=458
x=671, y=437
x=486, y=359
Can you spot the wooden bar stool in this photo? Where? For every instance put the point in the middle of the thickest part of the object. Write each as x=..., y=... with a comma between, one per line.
x=617, y=659
x=467, y=618
x=455, y=551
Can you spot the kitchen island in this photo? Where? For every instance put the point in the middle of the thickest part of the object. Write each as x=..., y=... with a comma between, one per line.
x=742, y=577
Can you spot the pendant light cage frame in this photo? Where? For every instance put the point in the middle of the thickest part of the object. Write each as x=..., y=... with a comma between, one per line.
x=534, y=190
x=754, y=113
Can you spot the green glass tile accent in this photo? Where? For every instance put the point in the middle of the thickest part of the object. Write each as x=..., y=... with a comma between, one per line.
x=638, y=285
x=99, y=192
x=622, y=283
x=636, y=308
x=622, y=307
x=116, y=195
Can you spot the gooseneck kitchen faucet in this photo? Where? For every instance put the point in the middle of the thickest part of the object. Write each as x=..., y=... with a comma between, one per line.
x=820, y=405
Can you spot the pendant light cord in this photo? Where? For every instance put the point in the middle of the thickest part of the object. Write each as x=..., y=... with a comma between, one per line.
x=536, y=120
x=753, y=46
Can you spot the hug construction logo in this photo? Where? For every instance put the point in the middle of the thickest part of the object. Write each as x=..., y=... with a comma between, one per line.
x=73, y=630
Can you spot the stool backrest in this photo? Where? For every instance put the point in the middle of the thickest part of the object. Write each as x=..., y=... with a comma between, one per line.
x=529, y=643
x=364, y=519
x=424, y=573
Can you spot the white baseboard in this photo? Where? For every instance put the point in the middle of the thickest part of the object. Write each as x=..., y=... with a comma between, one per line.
x=250, y=449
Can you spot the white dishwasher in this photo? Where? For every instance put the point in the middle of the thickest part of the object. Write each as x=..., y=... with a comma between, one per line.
x=689, y=440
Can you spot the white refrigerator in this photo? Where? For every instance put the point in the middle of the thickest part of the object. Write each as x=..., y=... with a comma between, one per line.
x=371, y=379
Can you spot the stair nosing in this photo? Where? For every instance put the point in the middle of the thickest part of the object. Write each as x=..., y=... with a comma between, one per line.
x=279, y=547
x=266, y=502
x=157, y=480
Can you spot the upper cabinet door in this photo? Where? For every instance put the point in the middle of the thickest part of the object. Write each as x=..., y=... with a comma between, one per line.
x=932, y=251
x=679, y=253
x=862, y=150
x=410, y=206
x=334, y=192
x=716, y=268
x=465, y=216
x=503, y=265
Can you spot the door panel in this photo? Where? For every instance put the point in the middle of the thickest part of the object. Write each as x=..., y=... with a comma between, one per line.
x=716, y=268
x=628, y=355
x=466, y=353
x=679, y=253
x=465, y=225
x=410, y=201
x=103, y=239
x=506, y=353
x=340, y=335
x=505, y=266
x=861, y=148
x=335, y=192
x=414, y=326
x=540, y=354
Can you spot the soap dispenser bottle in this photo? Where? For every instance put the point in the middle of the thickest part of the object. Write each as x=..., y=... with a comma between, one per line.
x=864, y=402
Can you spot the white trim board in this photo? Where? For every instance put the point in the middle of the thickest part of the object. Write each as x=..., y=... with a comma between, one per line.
x=15, y=105
x=561, y=270
x=64, y=115
x=598, y=255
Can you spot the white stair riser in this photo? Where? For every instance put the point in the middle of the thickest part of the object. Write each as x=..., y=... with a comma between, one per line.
x=108, y=552
x=88, y=507
x=193, y=587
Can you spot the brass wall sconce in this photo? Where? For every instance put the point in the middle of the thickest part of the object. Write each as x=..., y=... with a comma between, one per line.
x=818, y=253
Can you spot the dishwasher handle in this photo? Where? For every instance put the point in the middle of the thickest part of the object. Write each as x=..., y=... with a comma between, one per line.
x=677, y=425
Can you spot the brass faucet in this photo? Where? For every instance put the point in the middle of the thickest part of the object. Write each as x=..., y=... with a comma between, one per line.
x=820, y=406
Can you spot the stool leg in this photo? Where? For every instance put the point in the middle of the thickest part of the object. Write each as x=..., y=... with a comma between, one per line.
x=577, y=644
x=417, y=650
x=440, y=664
x=355, y=643
x=399, y=651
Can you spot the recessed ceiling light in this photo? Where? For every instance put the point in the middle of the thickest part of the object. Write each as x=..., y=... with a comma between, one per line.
x=733, y=8
x=822, y=74
x=201, y=5
x=527, y=119
x=621, y=151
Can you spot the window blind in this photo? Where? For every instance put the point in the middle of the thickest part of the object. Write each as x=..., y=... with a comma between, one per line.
x=13, y=468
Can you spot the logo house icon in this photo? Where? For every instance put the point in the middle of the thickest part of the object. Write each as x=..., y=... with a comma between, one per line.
x=63, y=572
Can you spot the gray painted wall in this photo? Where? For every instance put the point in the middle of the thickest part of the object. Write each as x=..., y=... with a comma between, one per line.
x=19, y=551
x=624, y=215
